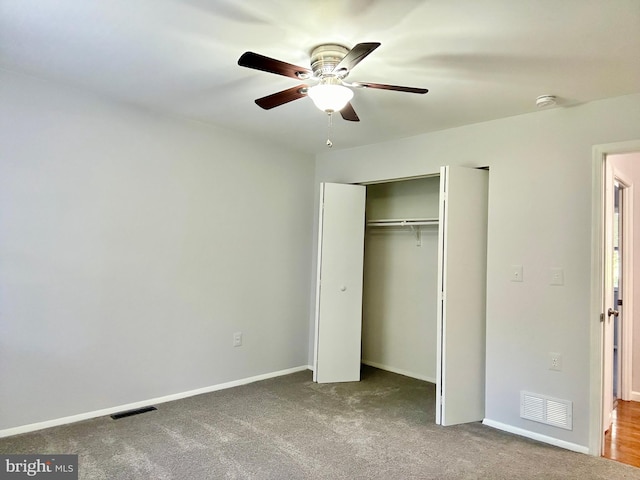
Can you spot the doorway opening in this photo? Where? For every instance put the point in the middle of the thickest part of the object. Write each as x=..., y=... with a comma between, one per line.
x=618, y=266
x=399, y=317
x=621, y=172
x=614, y=391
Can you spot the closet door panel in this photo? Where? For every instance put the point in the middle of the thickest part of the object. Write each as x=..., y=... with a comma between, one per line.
x=462, y=286
x=339, y=283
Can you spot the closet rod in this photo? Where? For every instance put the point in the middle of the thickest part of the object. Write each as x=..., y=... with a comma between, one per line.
x=402, y=223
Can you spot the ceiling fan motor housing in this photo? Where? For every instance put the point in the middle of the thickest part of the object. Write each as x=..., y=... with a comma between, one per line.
x=325, y=58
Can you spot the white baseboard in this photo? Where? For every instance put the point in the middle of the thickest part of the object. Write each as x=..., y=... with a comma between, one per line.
x=635, y=396
x=131, y=406
x=399, y=371
x=536, y=436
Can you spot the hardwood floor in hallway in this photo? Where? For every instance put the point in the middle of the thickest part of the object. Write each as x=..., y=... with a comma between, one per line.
x=622, y=440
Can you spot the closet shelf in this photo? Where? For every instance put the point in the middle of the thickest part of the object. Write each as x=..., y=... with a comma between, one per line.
x=402, y=222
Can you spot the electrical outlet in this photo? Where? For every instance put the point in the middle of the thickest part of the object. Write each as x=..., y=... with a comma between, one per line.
x=237, y=339
x=516, y=273
x=555, y=361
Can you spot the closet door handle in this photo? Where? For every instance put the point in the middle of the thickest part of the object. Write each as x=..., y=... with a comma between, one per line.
x=613, y=312
x=343, y=288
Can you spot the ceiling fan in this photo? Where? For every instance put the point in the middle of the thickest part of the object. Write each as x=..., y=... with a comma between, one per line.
x=330, y=66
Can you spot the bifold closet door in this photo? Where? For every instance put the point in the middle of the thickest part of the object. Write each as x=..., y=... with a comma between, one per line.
x=339, y=283
x=462, y=277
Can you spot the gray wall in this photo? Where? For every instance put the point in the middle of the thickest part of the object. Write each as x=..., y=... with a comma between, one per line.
x=540, y=192
x=132, y=246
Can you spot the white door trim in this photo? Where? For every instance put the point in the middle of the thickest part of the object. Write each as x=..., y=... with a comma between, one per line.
x=628, y=298
x=599, y=154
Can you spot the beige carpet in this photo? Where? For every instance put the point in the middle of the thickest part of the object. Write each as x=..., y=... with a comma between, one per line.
x=292, y=428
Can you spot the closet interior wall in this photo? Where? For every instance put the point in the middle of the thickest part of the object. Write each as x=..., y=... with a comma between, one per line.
x=400, y=279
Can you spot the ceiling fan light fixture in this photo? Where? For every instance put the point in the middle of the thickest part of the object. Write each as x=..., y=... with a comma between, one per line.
x=330, y=95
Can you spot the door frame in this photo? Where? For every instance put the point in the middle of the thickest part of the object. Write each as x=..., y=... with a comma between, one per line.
x=614, y=176
x=625, y=333
x=599, y=156
x=625, y=330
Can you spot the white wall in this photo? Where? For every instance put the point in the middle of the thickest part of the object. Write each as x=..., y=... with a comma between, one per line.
x=132, y=246
x=629, y=165
x=540, y=217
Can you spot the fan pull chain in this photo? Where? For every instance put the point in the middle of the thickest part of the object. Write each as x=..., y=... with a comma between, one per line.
x=329, y=142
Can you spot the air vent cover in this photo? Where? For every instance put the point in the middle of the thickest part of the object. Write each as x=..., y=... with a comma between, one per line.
x=130, y=413
x=544, y=409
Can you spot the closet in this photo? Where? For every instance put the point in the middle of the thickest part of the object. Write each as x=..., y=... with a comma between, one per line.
x=414, y=302
x=399, y=297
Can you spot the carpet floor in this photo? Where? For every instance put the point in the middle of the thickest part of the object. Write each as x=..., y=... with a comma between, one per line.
x=292, y=428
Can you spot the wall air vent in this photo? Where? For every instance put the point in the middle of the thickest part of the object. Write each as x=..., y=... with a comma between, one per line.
x=543, y=409
x=130, y=413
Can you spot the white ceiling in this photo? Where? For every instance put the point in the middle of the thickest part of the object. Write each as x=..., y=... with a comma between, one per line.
x=480, y=59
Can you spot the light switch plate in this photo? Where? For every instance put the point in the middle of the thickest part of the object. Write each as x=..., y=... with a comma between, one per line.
x=556, y=276
x=516, y=273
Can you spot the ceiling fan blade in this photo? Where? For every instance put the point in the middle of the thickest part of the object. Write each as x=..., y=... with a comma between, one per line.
x=356, y=55
x=348, y=113
x=271, y=65
x=397, y=88
x=280, y=98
